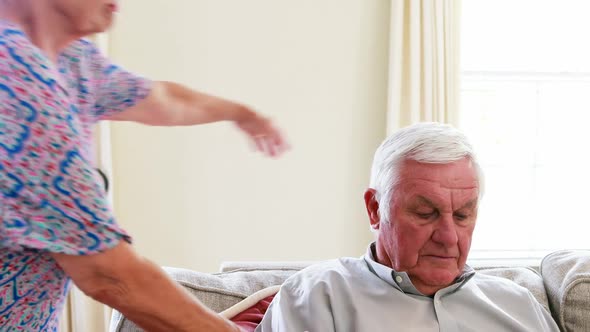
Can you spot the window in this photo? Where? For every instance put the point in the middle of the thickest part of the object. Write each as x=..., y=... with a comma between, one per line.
x=525, y=104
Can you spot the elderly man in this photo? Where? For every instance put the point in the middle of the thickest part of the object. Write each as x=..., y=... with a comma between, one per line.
x=422, y=205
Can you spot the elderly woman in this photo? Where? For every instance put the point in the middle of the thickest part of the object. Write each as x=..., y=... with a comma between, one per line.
x=56, y=224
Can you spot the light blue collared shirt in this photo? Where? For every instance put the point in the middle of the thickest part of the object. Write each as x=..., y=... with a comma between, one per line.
x=359, y=294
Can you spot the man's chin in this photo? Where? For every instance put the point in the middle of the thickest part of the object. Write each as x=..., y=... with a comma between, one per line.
x=440, y=277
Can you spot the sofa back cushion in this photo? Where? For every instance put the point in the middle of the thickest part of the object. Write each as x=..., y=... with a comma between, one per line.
x=567, y=279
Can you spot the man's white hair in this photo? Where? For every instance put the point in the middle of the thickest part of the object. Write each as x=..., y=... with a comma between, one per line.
x=425, y=142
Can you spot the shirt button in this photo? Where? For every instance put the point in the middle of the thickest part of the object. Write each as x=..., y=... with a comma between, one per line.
x=399, y=279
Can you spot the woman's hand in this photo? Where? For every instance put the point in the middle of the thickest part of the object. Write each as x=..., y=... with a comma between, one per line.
x=267, y=138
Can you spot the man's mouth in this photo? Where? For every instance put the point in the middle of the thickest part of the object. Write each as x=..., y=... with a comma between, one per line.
x=441, y=257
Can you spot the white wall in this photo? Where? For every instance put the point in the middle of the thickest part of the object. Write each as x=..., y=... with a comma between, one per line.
x=193, y=197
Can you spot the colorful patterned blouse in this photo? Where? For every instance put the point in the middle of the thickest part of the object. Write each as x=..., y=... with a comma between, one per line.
x=51, y=197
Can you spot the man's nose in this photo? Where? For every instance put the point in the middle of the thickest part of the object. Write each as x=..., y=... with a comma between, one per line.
x=445, y=232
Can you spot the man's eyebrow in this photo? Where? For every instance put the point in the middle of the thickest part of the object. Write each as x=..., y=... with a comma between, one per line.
x=426, y=201
x=469, y=205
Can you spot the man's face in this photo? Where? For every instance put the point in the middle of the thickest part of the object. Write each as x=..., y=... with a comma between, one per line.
x=432, y=217
x=86, y=16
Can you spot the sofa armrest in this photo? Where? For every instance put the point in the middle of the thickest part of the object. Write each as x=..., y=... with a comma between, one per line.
x=566, y=275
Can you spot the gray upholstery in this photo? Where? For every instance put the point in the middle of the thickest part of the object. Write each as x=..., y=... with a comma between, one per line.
x=567, y=279
x=264, y=265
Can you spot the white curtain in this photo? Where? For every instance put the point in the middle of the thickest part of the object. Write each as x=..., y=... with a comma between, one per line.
x=424, y=62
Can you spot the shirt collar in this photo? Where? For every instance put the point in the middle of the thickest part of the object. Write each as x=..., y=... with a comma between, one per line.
x=401, y=280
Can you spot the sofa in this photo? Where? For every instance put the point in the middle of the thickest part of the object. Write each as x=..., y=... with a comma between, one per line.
x=561, y=284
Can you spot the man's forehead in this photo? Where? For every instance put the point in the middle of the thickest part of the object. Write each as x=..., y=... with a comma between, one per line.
x=432, y=194
x=438, y=184
x=460, y=175
x=425, y=184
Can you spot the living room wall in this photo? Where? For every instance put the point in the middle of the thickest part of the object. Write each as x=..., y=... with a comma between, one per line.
x=194, y=197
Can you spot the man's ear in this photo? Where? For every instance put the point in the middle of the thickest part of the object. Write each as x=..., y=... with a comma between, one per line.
x=372, y=206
